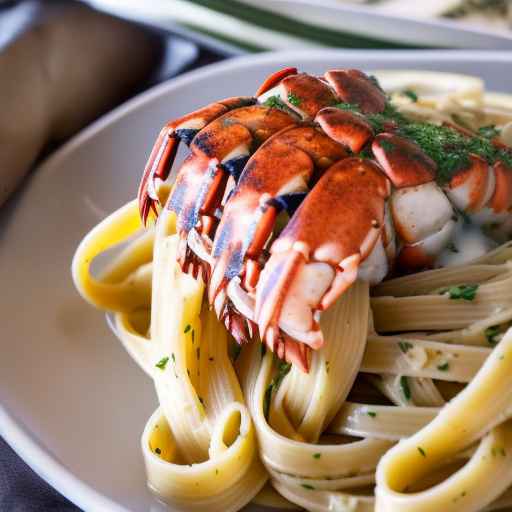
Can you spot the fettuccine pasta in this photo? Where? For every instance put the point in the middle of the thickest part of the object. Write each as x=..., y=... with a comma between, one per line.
x=406, y=407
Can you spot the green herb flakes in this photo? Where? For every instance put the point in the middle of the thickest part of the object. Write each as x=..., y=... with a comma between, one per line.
x=187, y=328
x=293, y=99
x=308, y=487
x=489, y=132
x=316, y=455
x=405, y=346
x=406, y=390
x=446, y=146
x=463, y=291
x=372, y=414
x=351, y=107
x=162, y=363
x=411, y=95
x=282, y=370
x=491, y=333
x=274, y=102
x=443, y=367
x=422, y=451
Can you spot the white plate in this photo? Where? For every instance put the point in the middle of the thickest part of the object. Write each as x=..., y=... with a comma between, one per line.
x=348, y=19
x=374, y=21
x=72, y=403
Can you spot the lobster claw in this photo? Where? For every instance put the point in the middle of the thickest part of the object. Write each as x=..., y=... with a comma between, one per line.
x=250, y=214
x=312, y=264
x=163, y=154
x=157, y=168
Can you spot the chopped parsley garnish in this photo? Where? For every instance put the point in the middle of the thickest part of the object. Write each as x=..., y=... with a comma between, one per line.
x=266, y=401
x=187, y=328
x=365, y=153
x=411, y=95
x=162, y=363
x=449, y=148
x=406, y=390
x=405, y=346
x=316, y=455
x=443, y=367
x=351, y=107
x=173, y=358
x=489, y=132
x=372, y=414
x=293, y=99
x=282, y=371
x=491, y=333
x=274, y=102
x=308, y=487
x=463, y=291
x=422, y=451
x=389, y=116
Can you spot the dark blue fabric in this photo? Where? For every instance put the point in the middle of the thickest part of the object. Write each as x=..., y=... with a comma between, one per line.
x=22, y=490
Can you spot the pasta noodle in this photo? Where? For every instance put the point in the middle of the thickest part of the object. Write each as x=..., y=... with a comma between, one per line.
x=406, y=407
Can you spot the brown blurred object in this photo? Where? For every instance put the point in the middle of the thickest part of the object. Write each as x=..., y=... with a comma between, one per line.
x=59, y=71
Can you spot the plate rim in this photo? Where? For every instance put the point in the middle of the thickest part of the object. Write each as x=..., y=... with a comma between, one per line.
x=15, y=433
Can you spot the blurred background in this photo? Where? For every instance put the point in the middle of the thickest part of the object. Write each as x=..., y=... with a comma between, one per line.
x=65, y=63
x=255, y=25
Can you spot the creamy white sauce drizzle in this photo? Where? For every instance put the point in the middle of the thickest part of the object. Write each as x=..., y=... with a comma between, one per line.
x=468, y=243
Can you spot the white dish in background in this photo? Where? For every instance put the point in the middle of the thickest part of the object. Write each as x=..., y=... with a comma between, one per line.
x=72, y=402
x=378, y=23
